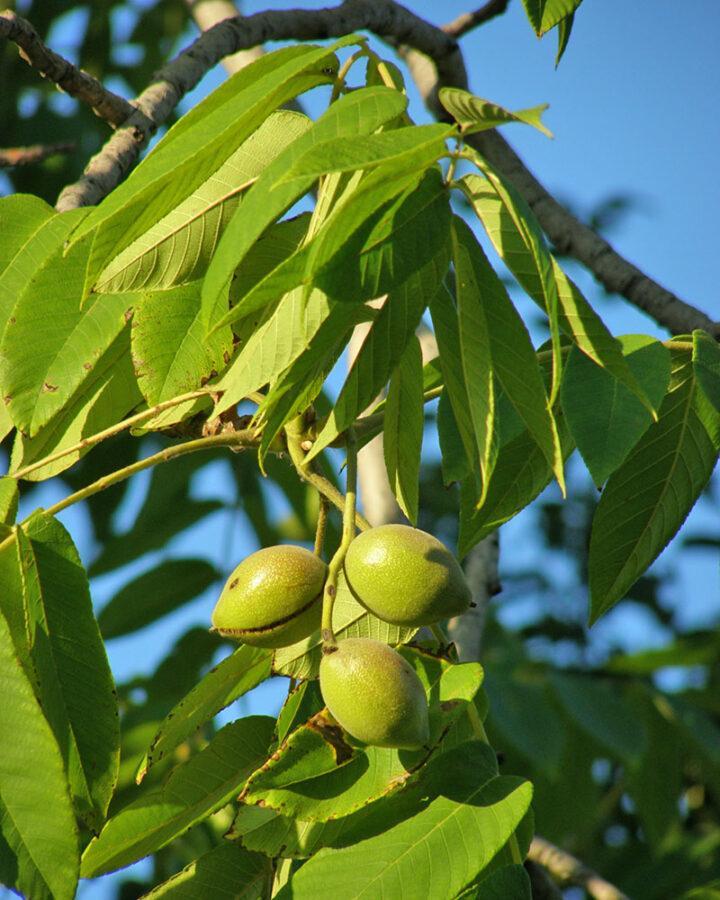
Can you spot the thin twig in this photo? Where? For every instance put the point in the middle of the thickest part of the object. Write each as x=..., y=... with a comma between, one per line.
x=26, y=156
x=105, y=104
x=321, y=527
x=469, y=20
x=567, y=869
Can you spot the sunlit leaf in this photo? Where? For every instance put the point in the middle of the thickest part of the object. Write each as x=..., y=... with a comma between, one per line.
x=194, y=790
x=706, y=360
x=605, y=418
x=178, y=248
x=647, y=499
x=223, y=684
x=37, y=827
x=474, y=114
x=227, y=872
x=546, y=14
x=430, y=848
x=403, y=430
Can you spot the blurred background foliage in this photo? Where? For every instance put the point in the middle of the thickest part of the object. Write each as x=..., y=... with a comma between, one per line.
x=617, y=727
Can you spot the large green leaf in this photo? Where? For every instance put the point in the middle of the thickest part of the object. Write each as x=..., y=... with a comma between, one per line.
x=61, y=643
x=521, y=473
x=474, y=114
x=109, y=393
x=38, y=837
x=349, y=154
x=514, y=363
x=403, y=430
x=516, y=235
x=227, y=872
x=429, y=854
x=355, y=114
x=8, y=499
x=647, y=499
x=382, y=348
x=154, y=594
x=273, y=346
x=706, y=360
x=194, y=790
x=315, y=775
x=350, y=619
x=302, y=381
x=198, y=146
x=546, y=14
x=605, y=418
x=455, y=464
x=171, y=353
x=21, y=216
x=178, y=248
x=46, y=314
x=224, y=683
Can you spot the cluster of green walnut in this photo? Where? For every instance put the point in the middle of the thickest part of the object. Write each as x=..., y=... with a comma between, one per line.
x=400, y=574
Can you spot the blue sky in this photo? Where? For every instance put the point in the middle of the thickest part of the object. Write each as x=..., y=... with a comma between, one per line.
x=633, y=107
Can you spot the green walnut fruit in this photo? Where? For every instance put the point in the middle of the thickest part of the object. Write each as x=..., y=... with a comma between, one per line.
x=375, y=694
x=273, y=598
x=405, y=576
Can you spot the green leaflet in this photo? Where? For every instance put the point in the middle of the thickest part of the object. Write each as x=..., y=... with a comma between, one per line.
x=403, y=431
x=564, y=30
x=273, y=346
x=59, y=642
x=302, y=381
x=474, y=114
x=350, y=154
x=200, y=143
x=455, y=464
x=513, y=359
x=386, y=340
x=355, y=114
x=154, y=594
x=45, y=313
x=21, y=217
x=521, y=473
x=546, y=14
x=227, y=872
x=178, y=248
x=194, y=790
x=706, y=362
x=171, y=353
x=402, y=861
x=109, y=393
x=315, y=776
x=647, y=499
x=517, y=237
x=8, y=499
x=350, y=619
x=606, y=420
x=238, y=673
x=379, y=233
x=37, y=826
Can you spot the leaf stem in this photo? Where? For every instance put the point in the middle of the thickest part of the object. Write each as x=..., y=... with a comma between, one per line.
x=149, y=413
x=240, y=439
x=336, y=563
x=322, y=518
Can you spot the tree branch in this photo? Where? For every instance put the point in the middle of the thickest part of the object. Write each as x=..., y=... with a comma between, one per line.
x=105, y=104
x=566, y=869
x=469, y=20
x=25, y=156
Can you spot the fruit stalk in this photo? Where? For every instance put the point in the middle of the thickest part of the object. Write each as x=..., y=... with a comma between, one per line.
x=348, y=533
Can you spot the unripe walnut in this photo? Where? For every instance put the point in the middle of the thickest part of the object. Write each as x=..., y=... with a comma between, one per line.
x=375, y=694
x=405, y=576
x=273, y=598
